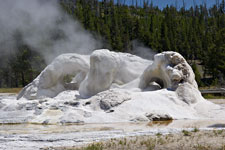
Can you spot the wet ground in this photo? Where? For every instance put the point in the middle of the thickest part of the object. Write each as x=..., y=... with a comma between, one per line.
x=35, y=136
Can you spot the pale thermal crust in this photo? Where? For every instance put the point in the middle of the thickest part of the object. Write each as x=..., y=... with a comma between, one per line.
x=112, y=87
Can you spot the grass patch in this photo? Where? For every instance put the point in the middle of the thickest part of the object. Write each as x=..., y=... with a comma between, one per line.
x=202, y=147
x=195, y=130
x=219, y=132
x=158, y=134
x=186, y=133
x=211, y=96
x=97, y=146
x=94, y=146
x=150, y=143
x=10, y=90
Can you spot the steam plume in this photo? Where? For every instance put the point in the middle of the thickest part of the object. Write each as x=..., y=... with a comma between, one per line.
x=139, y=49
x=44, y=27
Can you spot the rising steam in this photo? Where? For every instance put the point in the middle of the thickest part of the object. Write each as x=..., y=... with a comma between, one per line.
x=43, y=26
x=139, y=49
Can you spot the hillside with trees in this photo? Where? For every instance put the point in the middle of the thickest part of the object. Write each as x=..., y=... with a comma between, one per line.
x=198, y=33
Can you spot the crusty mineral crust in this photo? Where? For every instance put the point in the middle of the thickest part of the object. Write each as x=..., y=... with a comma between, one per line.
x=110, y=87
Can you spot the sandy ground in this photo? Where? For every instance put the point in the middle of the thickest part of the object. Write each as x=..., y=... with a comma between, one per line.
x=186, y=140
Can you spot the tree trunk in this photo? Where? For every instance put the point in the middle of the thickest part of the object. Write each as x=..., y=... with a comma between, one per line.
x=23, y=79
x=16, y=80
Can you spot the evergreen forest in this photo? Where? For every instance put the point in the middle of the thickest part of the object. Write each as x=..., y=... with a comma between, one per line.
x=198, y=33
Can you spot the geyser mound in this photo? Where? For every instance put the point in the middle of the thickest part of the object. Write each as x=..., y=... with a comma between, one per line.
x=112, y=87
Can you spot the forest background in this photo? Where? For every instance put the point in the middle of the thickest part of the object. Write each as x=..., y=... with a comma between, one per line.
x=197, y=32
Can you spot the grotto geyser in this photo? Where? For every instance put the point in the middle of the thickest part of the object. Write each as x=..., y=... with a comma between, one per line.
x=111, y=87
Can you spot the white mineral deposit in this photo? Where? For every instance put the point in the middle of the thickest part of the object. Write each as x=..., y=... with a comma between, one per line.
x=109, y=87
x=111, y=94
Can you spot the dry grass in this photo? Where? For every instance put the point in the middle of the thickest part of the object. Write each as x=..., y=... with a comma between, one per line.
x=10, y=90
x=186, y=140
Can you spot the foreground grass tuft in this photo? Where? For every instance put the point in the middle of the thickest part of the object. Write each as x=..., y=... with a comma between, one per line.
x=195, y=130
x=94, y=146
x=186, y=133
x=97, y=146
